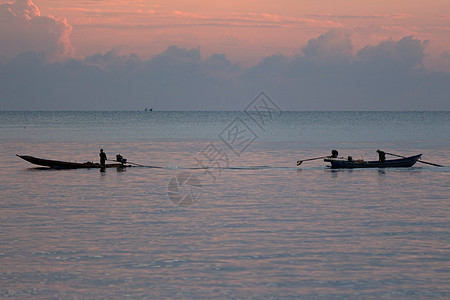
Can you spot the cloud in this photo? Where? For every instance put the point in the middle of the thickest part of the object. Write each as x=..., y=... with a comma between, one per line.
x=22, y=29
x=278, y=21
x=130, y=17
x=323, y=75
x=406, y=53
x=327, y=76
x=335, y=45
x=253, y=20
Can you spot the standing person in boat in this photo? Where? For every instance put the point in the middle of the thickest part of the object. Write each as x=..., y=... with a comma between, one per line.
x=381, y=156
x=103, y=157
x=334, y=154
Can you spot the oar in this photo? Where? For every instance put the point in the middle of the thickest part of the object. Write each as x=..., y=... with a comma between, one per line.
x=424, y=162
x=299, y=162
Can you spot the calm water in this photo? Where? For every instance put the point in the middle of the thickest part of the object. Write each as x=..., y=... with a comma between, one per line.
x=252, y=226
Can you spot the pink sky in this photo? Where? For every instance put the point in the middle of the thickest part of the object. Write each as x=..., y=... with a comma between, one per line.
x=197, y=55
x=246, y=30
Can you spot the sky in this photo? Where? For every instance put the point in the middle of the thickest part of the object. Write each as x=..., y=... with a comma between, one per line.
x=211, y=55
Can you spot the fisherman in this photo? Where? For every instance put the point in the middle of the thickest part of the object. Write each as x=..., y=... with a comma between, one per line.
x=334, y=154
x=381, y=156
x=103, y=157
x=121, y=159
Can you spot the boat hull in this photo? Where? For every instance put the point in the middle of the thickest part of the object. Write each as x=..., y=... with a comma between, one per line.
x=56, y=164
x=394, y=163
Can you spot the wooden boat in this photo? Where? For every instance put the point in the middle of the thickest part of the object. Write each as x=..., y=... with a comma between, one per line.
x=56, y=164
x=340, y=163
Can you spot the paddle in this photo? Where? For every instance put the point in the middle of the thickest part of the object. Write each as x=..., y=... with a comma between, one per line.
x=299, y=162
x=424, y=162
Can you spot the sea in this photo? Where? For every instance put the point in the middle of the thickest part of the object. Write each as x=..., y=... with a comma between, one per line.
x=214, y=206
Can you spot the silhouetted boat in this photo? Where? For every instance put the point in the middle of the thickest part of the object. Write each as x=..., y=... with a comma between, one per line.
x=339, y=163
x=56, y=164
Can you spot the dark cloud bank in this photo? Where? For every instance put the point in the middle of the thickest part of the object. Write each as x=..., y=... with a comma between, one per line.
x=325, y=75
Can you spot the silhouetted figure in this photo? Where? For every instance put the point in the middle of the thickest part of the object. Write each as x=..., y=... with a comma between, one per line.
x=121, y=159
x=103, y=157
x=334, y=154
x=381, y=156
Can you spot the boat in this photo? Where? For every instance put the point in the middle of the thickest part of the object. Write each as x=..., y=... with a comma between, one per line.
x=56, y=164
x=349, y=163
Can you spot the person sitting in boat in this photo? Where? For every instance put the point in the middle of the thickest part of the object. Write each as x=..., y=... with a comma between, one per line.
x=334, y=154
x=103, y=157
x=121, y=159
x=381, y=156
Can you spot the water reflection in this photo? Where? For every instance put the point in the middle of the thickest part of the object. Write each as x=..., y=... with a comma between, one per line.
x=334, y=173
x=381, y=172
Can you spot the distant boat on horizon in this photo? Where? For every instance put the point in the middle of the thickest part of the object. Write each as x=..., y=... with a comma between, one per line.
x=148, y=109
